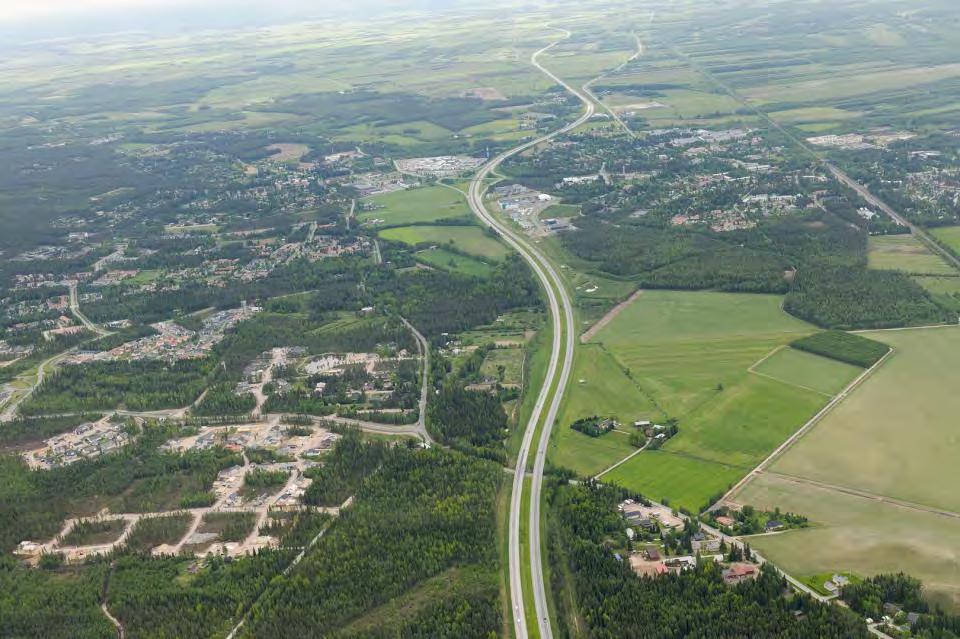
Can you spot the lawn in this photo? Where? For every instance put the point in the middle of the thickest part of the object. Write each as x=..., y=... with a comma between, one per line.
x=806, y=370
x=449, y=261
x=681, y=481
x=469, y=239
x=416, y=206
x=818, y=581
x=858, y=535
x=905, y=253
x=895, y=435
x=949, y=235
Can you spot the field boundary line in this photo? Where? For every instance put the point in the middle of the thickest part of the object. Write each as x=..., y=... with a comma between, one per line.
x=803, y=430
x=783, y=381
x=705, y=460
x=610, y=315
x=766, y=357
x=903, y=328
x=864, y=494
x=622, y=461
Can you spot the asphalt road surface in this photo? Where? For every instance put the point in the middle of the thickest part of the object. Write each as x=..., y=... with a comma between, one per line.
x=561, y=359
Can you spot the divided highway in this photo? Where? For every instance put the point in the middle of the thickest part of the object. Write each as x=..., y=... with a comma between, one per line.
x=558, y=373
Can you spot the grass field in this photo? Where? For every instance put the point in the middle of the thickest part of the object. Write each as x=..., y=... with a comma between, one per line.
x=905, y=253
x=745, y=422
x=949, y=235
x=416, y=206
x=677, y=316
x=940, y=285
x=678, y=480
x=858, y=535
x=687, y=356
x=560, y=210
x=470, y=239
x=145, y=277
x=845, y=83
x=450, y=261
x=807, y=370
x=896, y=434
x=598, y=386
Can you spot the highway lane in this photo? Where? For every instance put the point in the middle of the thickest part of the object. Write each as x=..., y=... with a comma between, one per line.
x=561, y=358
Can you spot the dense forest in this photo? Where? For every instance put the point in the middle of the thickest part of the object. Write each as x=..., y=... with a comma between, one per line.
x=473, y=417
x=847, y=299
x=421, y=515
x=844, y=347
x=44, y=604
x=157, y=597
x=134, y=385
x=681, y=259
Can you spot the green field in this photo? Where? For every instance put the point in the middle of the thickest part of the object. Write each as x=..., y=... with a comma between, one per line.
x=905, y=253
x=416, y=206
x=559, y=210
x=896, y=434
x=145, y=277
x=949, y=235
x=681, y=481
x=743, y=423
x=858, y=535
x=940, y=285
x=678, y=316
x=450, y=261
x=809, y=371
x=469, y=239
x=687, y=356
x=598, y=386
x=404, y=134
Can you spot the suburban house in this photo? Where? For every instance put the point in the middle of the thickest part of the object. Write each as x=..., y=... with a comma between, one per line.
x=738, y=573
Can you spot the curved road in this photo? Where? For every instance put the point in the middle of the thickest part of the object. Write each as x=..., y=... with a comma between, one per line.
x=424, y=348
x=75, y=309
x=561, y=358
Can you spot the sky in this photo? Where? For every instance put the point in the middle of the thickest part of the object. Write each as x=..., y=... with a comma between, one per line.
x=20, y=10
x=34, y=22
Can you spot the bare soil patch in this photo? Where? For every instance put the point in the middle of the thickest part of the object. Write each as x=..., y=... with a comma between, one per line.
x=606, y=319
